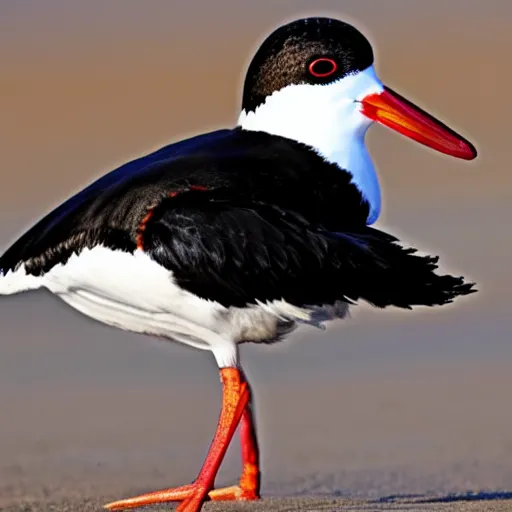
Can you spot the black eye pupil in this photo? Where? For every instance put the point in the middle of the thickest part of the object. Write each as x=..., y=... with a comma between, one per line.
x=322, y=67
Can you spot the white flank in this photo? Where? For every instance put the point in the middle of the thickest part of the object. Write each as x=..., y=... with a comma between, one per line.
x=329, y=119
x=19, y=281
x=134, y=293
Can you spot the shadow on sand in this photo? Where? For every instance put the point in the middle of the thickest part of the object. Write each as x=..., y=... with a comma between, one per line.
x=447, y=498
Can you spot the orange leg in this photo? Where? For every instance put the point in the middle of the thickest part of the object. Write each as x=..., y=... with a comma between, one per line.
x=235, y=398
x=249, y=485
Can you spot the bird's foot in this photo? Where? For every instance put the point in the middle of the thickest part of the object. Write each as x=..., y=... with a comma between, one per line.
x=193, y=495
x=246, y=490
x=233, y=493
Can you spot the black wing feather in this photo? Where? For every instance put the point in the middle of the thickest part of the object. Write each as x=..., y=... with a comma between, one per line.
x=239, y=252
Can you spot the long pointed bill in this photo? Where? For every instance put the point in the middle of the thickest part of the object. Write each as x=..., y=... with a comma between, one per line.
x=397, y=113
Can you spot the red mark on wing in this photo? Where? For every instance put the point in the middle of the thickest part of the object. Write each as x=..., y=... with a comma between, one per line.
x=139, y=239
x=142, y=228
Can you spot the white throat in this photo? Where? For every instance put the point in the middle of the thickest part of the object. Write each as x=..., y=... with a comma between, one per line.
x=328, y=118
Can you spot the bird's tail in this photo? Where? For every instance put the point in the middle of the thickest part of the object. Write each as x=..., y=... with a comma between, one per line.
x=386, y=274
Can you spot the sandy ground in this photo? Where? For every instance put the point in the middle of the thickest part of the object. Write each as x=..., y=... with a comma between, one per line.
x=420, y=436
x=293, y=504
x=386, y=411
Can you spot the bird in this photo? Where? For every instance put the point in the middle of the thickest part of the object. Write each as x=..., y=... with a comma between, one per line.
x=244, y=233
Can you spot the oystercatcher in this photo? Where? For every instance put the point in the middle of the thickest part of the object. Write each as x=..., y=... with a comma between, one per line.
x=241, y=234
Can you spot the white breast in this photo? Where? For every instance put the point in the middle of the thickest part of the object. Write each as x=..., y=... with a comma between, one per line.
x=328, y=118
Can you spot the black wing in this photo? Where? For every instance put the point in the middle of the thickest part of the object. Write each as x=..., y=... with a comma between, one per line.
x=236, y=252
x=253, y=164
x=107, y=211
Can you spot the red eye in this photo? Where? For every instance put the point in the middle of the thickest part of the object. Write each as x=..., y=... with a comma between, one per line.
x=323, y=67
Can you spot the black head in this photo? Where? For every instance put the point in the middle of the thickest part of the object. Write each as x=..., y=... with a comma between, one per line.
x=306, y=51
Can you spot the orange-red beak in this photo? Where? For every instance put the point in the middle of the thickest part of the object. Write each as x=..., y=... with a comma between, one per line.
x=397, y=113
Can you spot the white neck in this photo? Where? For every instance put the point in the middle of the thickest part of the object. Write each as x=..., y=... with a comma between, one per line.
x=328, y=118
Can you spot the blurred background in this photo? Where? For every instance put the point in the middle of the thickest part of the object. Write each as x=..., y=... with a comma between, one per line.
x=384, y=402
